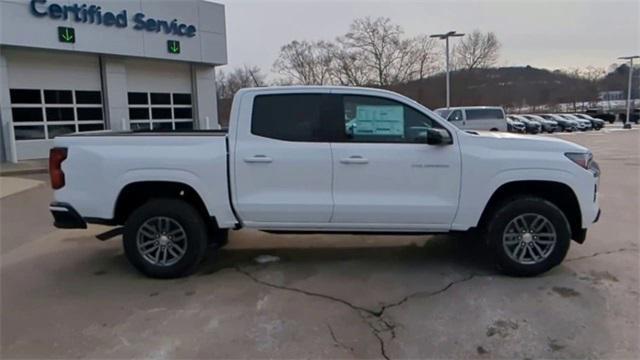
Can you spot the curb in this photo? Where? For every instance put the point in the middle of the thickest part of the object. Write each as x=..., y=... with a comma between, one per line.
x=23, y=172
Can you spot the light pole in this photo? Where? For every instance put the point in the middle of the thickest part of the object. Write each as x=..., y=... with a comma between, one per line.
x=446, y=37
x=627, y=121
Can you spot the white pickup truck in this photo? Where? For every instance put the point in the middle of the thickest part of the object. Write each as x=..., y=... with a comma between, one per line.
x=326, y=159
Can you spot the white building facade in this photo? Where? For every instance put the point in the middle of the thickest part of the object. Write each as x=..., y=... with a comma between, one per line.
x=68, y=66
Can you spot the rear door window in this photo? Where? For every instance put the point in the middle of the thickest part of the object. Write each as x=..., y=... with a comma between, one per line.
x=291, y=117
x=484, y=114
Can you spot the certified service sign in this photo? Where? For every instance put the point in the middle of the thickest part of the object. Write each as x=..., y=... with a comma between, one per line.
x=92, y=14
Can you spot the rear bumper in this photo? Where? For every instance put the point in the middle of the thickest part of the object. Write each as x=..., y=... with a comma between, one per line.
x=66, y=217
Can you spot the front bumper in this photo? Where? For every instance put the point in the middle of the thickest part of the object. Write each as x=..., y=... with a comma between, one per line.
x=66, y=217
x=534, y=130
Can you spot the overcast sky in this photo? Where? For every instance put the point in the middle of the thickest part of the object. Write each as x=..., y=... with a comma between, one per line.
x=544, y=33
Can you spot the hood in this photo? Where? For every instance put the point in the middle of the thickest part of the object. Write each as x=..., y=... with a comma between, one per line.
x=524, y=142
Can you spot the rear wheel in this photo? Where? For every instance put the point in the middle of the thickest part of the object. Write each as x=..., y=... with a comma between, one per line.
x=165, y=238
x=529, y=236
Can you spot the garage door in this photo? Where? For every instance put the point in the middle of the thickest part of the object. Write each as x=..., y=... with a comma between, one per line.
x=52, y=94
x=159, y=95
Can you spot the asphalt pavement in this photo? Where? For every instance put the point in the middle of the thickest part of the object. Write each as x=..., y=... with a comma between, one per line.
x=65, y=294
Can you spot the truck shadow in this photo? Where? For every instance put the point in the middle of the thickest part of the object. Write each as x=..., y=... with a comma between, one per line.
x=441, y=251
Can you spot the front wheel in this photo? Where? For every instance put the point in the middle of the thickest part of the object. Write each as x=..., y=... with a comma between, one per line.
x=165, y=238
x=529, y=236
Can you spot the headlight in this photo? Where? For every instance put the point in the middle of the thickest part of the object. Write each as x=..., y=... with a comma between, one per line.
x=582, y=159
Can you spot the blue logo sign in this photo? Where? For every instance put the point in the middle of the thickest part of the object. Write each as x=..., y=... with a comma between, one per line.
x=92, y=14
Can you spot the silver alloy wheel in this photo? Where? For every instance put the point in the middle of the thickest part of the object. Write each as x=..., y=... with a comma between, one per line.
x=529, y=238
x=161, y=241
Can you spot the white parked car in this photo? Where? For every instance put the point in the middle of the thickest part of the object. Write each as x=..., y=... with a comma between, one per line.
x=516, y=126
x=583, y=124
x=490, y=118
x=326, y=159
x=597, y=124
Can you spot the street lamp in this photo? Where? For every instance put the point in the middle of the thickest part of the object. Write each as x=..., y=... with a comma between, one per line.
x=446, y=37
x=627, y=121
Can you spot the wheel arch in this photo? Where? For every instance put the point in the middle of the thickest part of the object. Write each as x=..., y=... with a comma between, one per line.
x=558, y=193
x=135, y=194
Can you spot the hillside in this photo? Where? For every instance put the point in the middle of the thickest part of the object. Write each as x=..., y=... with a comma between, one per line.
x=507, y=86
x=511, y=87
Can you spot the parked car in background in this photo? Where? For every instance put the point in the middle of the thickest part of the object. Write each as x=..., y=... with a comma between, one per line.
x=597, y=124
x=532, y=127
x=516, y=126
x=549, y=126
x=610, y=118
x=563, y=124
x=490, y=118
x=583, y=125
x=634, y=118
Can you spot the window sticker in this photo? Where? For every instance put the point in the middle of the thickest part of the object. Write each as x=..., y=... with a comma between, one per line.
x=383, y=120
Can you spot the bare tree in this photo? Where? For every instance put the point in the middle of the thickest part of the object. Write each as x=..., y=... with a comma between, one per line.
x=373, y=52
x=380, y=44
x=477, y=50
x=227, y=84
x=425, y=56
x=592, y=73
x=307, y=63
x=348, y=67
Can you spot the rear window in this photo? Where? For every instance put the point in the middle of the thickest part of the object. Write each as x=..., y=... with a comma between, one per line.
x=485, y=114
x=291, y=117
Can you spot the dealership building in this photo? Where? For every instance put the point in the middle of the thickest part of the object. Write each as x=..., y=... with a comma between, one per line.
x=68, y=66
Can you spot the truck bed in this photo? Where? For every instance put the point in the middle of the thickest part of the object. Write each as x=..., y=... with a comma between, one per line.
x=100, y=165
x=220, y=132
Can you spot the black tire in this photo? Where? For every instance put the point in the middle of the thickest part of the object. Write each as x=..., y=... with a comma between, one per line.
x=523, y=206
x=193, y=226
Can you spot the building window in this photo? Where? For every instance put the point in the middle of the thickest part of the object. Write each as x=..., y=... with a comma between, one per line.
x=40, y=114
x=160, y=111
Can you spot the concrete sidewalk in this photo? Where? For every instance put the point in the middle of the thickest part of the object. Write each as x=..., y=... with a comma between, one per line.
x=38, y=166
x=13, y=185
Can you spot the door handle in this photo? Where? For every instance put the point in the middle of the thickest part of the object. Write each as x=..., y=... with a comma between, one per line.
x=356, y=159
x=258, y=159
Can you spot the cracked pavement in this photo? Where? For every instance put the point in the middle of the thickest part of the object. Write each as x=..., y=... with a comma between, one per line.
x=65, y=294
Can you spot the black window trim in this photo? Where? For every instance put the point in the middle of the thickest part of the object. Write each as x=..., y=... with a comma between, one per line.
x=341, y=95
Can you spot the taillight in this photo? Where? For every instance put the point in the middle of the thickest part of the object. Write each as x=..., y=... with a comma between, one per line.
x=56, y=157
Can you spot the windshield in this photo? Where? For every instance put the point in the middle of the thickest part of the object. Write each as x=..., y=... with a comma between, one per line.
x=536, y=117
x=443, y=112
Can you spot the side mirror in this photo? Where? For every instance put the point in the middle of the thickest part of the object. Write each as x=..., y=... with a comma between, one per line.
x=436, y=137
